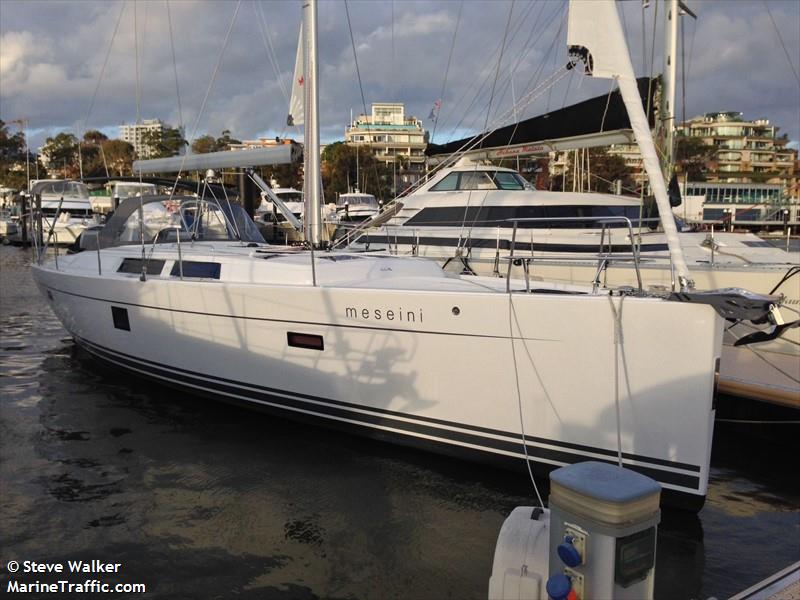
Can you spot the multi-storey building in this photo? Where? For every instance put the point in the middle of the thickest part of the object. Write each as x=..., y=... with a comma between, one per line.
x=395, y=139
x=743, y=151
x=136, y=135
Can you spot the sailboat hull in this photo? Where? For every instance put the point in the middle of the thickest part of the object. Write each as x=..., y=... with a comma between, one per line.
x=450, y=371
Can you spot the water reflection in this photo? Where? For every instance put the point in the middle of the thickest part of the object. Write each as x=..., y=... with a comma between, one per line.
x=197, y=498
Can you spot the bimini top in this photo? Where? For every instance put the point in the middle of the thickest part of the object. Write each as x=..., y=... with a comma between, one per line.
x=158, y=219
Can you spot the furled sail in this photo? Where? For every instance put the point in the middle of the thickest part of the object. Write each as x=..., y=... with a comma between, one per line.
x=296, y=114
x=594, y=34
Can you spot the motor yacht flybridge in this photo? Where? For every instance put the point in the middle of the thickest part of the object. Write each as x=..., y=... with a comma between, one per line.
x=499, y=370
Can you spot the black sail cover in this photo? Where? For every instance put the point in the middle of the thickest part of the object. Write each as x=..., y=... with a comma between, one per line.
x=584, y=118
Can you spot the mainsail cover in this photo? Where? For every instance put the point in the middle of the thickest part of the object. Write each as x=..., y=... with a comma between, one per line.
x=602, y=114
x=296, y=114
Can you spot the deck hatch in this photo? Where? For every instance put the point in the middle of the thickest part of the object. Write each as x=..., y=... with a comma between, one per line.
x=134, y=265
x=120, y=316
x=196, y=269
x=305, y=340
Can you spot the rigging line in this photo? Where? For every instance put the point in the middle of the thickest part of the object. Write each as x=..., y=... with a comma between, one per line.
x=477, y=96
x=508, y=83
x=266, y=36
x=263, y=28
x=780, y=39
x=528, y=47
x=652, y=63
x=504, y=49
x=608, y=103
x=136, y=55
x=644, y=42
x=511, y=312
x=691, y=50
x=103, y=68
x=569, y=84
x=361, y=89
x=558, y=33
x=447, y=68
x=393, y=55
x=174, y=66
x=208, y=93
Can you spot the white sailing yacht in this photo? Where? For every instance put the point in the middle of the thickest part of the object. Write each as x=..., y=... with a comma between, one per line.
x=498, y=370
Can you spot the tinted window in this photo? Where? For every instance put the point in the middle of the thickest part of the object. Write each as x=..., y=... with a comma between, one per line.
x=508, y=181
x=134, y=265
x=447, y=184
x=198, y=269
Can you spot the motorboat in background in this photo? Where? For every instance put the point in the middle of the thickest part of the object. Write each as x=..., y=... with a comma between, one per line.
x=356, y=206
x=66, y=211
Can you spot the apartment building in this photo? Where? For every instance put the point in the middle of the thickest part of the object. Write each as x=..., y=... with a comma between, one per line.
x=395, y=139
x=745, y=151
x=136, y=135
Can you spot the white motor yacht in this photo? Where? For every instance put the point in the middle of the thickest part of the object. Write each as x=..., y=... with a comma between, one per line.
x=66, y=210
x=356, y=206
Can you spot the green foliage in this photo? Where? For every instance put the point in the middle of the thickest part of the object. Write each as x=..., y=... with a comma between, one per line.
x=692, y=156
x=339, y=171
x=208, y=143
x=12, y=158
x=62, y=154
x=94, y=137
x=169, y=142
x=118, y=157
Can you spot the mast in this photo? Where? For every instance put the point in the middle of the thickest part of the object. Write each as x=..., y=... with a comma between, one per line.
x=311, y=161
x=673, y=10
x=604, y=51
x=670, y=73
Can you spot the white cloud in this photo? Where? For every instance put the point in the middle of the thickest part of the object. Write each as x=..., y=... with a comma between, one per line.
x=51, y=53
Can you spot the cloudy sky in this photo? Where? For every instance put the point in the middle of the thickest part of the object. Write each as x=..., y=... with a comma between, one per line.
x=740, y=55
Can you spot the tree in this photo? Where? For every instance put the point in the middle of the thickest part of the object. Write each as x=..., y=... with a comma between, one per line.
x=168, y=142
x=339, y=173
x=119, y=157
x=94, y=137
x=62, y=154
x=12, y=158
x=692, y=156
x=208, y=143
x=204, y=144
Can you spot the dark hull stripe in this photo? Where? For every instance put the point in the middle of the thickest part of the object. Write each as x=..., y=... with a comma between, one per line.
x=410, y=240
x=391, y=413
x=329, y=409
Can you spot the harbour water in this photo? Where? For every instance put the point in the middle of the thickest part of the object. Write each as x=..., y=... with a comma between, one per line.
x=199, y=499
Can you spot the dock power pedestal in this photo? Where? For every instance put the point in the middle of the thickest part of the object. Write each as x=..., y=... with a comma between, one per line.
x=596, y=540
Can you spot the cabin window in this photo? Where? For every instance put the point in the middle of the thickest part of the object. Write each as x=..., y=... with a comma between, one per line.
x=476, y=180
x=196, y=269
x=509, y=181
x=120, y=317
x=448, y=184
x=134, y=265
